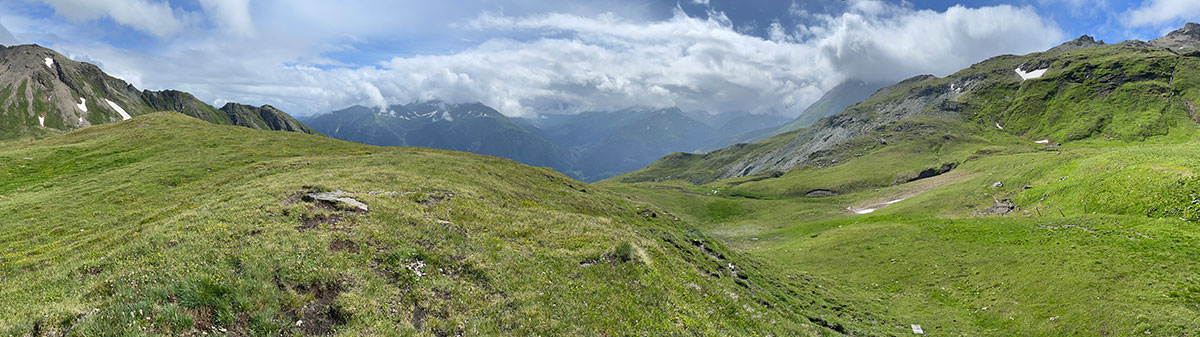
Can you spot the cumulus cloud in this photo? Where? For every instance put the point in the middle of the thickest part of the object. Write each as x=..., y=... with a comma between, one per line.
x=1158, y=12
x=151, y=17
x=233, y=16
x=565, y=60
x=704, y=64
x=884, y=42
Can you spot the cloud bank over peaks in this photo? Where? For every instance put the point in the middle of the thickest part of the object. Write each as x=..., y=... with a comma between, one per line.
x=607, y=63
x=300, y=56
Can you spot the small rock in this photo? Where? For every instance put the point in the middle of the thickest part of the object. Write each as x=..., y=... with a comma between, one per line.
x=917, y=329
x=998, y=184
x=336, y=197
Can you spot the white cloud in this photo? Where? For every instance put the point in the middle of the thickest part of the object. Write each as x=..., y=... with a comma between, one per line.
x=564, y=59
x=890, y=42
x=151, y=17
x=231, y=15
x=1159, y=12
x=700, y=2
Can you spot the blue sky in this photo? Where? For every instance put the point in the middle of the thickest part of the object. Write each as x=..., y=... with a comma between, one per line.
x=531, y=57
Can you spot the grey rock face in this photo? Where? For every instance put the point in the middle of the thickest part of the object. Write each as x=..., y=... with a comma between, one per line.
x=1187, y=37
x=1082, y=42
x=914, y=100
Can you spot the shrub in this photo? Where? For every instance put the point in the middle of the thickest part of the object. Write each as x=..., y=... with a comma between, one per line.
x=624, y=252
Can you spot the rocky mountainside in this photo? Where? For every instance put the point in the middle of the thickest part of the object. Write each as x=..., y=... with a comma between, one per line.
x=264, y=117
x=1187, y=37
x=43, y=92
x=833, y=101
x=464, y=127
x=1081, y=91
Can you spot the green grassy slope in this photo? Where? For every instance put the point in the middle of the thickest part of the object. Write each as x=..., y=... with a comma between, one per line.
x=1101, y=237
x=166, y=225
x=1102, y=242
x=1114, y=93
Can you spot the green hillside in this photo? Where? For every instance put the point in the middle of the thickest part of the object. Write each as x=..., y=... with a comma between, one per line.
x=167, y=225
x=990, y=202
x=1101, y=240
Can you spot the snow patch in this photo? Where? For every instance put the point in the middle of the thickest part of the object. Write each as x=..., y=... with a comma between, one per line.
x=1043, y=141
x=82, y=104
x=49, y=63
x=446, y=116
x=42, y=121
x=877, y=207
x=124, y=116
x=1032, y=74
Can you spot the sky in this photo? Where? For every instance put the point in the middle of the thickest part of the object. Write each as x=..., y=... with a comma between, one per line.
x=528, y=58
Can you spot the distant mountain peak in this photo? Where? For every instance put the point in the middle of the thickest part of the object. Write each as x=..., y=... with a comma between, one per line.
x=1190, y=30
x=1084, y=41
x=1187, y=37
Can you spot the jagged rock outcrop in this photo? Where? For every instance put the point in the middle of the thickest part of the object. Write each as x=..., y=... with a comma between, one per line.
x=1084, y=41
x=1187, y=37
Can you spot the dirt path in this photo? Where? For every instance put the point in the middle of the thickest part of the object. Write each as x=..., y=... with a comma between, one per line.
x=907, y=190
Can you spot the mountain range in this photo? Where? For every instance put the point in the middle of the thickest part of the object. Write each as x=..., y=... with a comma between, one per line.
x=1048, y=194
x=588, y=146
x=42, y=93
x=1083, y=90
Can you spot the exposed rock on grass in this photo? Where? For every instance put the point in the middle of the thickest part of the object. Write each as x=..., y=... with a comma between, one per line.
x=819, y=193
x=339, y=200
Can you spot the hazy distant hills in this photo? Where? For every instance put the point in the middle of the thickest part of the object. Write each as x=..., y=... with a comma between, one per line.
x=464, y=127
x=588, y=146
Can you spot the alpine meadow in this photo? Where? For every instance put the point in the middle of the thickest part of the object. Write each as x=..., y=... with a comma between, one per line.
x=624, y=168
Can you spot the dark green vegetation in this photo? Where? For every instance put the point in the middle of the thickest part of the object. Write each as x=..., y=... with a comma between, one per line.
x=40, y=98
x=166, y=225
x=980, y=203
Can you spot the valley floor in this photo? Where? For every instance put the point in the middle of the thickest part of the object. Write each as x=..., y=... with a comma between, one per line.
x=1103, y=241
